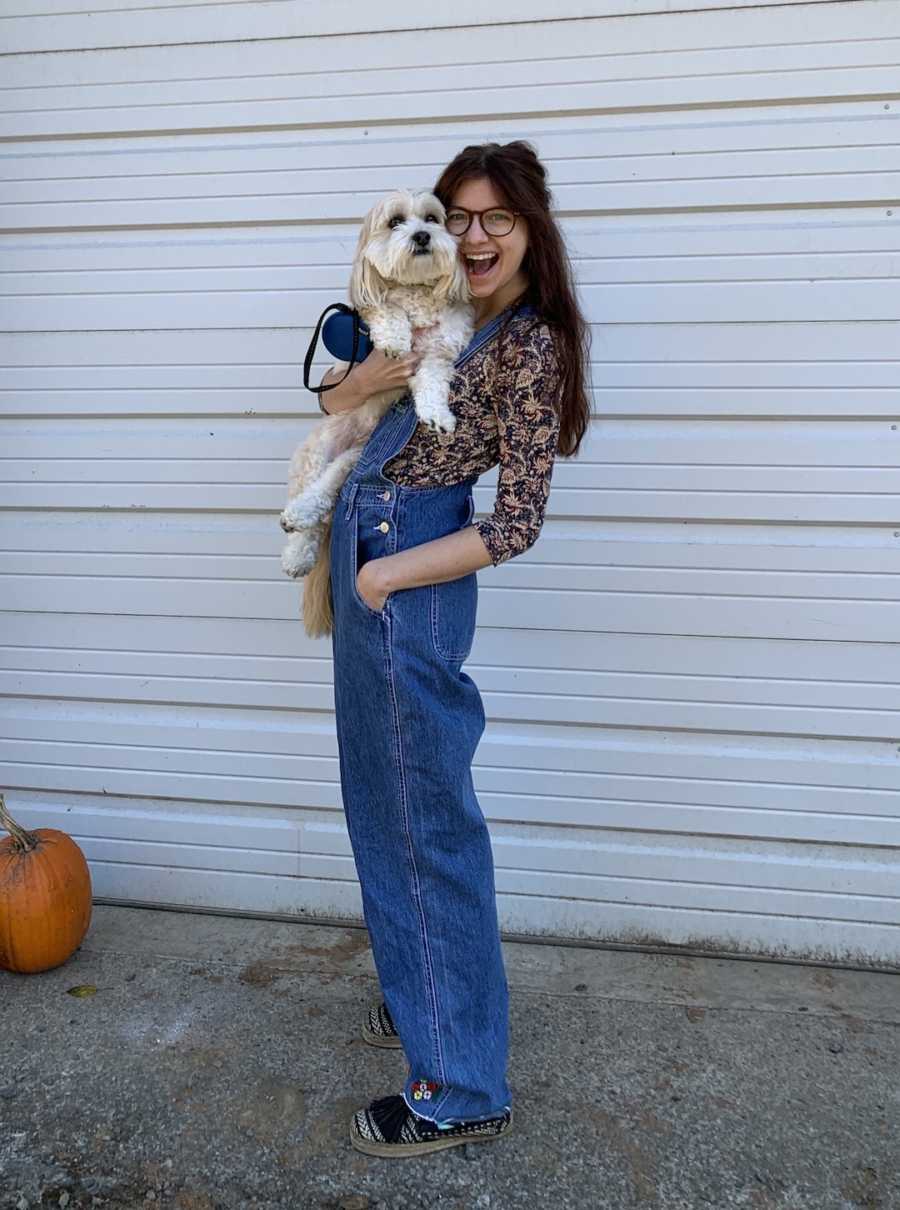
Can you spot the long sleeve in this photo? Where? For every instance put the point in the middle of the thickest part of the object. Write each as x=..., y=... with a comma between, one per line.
x=528, y=432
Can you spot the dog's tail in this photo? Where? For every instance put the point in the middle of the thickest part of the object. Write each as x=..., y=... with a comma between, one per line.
x=318, y=611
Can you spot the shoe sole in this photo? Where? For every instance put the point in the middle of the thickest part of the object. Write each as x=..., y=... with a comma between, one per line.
x=386, y=1043
x=388, y=1150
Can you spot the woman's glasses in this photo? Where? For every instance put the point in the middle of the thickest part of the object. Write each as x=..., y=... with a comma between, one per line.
x=493, y=222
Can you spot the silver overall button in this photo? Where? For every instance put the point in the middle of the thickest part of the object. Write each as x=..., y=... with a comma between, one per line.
x=384, y=527
x=385, y=495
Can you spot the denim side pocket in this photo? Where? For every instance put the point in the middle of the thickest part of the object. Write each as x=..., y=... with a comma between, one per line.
x=454, y=608
x=356, y=562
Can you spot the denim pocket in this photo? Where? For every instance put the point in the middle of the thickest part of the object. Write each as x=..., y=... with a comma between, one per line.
x=356, y=562
x=454, y=607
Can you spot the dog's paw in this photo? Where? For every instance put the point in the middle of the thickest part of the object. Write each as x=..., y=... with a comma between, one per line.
x=442, y=429
x=437, y=418
x=298, y=560
x=305, y=510
x=289, y=521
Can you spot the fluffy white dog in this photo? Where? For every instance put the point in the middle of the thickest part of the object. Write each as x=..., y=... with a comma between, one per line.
x=410, y=288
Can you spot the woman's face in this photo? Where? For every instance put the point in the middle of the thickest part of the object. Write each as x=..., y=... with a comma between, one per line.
x=503, y=275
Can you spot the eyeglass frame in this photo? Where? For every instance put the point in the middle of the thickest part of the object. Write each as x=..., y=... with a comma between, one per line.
x=478, y=214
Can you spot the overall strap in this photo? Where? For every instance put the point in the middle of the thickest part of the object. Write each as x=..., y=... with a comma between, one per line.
x=483, y=335
x=397, y=425
x=388, y=437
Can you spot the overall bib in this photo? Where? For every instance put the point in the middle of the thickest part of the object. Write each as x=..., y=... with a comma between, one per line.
x=408, y=723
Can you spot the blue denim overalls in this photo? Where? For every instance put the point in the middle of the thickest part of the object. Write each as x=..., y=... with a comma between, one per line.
x=408, y=723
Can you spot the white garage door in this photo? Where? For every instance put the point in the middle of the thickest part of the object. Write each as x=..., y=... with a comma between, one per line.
x=692, y=720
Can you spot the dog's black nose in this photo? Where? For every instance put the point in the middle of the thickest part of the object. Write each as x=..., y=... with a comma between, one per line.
x=422, y=239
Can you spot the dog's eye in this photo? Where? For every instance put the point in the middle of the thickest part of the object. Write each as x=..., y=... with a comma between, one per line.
x=396, y=221
x=432, y=218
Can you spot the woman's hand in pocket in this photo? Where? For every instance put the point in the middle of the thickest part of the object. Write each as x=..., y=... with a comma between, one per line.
x=371, y=586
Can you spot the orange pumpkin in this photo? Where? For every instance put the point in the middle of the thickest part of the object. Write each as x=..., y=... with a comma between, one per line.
x=45, y=897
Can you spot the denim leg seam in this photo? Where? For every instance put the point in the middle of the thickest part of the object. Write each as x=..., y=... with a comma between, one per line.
x=439, y=1104
x=398, y=755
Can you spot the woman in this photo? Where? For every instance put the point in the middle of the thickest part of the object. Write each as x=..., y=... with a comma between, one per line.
x=404, y=558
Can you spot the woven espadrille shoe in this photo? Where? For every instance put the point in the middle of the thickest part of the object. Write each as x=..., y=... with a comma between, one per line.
x=388, y=1127
x=379, y=1028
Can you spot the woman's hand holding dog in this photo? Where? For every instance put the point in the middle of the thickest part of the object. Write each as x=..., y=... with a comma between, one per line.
x=377, y=372
x=382, y=373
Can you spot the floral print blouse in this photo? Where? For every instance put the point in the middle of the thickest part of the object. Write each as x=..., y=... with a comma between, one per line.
x=504, y=415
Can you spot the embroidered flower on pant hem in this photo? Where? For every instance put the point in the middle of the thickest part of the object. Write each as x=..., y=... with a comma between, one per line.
x=422, y=1090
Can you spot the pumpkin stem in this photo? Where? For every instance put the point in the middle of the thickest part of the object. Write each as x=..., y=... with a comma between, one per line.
x=24, y=840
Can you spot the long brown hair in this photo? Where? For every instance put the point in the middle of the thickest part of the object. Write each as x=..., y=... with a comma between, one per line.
x=520, y=178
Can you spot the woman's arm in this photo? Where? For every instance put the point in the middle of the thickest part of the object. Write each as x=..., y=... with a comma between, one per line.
x=528, y=430
x=377, y=372
x=525, y=402
x=432, y=562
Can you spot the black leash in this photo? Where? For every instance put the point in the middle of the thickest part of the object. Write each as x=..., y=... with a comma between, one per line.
x=343, y=309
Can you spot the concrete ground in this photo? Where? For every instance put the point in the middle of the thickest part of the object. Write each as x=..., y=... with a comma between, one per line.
x=220, y=1059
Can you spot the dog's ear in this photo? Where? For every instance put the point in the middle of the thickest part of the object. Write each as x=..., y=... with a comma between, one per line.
x=454, y=286
x=367, y=286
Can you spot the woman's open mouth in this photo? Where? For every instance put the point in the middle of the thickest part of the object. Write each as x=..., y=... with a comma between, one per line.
x=480, y=263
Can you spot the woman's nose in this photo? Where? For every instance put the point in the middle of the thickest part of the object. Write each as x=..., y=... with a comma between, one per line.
x=476, y=230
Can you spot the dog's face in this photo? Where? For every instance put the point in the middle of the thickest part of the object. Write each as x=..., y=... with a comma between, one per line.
x=403, y=242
